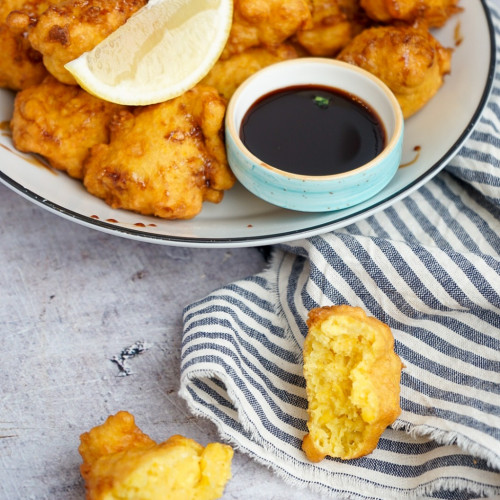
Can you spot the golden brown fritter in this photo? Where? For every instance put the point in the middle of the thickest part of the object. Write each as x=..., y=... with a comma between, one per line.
x=409, y=60
x=121, y=462
x=31, y=8
x=67, y=30
x=434, y=13
x=164, y=159
x=117, y=434
x=335, y=23
x=352, y=381
x=7, y=6
x=227, y=75
x=60, y=122
x=265, y=23
x=20, y=65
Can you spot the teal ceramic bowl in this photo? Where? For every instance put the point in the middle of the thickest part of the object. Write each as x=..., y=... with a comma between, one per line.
x=315, y=193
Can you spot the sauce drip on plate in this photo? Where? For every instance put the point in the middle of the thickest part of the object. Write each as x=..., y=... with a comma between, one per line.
x=312, y=130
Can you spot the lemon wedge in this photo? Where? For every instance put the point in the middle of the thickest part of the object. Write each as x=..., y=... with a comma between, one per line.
x=164, y=49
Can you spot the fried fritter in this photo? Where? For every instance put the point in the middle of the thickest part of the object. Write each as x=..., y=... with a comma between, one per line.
x=265, y=23
x=20, y=65
x=164, y=159
x=335, y=23
x=434, y=13
x=60, y=122
x=7, y=6
x=121, y=462
x=352, y=380
x=227, y=75
x=409, y=60
x=117, y=434
x=29, y=8
x=67, y=30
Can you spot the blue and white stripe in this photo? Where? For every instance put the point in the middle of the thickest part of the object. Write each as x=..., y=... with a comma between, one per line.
x=429, y=267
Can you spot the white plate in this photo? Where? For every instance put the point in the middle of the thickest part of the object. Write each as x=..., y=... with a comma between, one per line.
x=241, y=219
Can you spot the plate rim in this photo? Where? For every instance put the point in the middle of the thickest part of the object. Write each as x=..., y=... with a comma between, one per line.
x=279, y=237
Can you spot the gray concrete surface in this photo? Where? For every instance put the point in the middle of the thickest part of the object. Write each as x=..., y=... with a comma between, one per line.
x=71, y=299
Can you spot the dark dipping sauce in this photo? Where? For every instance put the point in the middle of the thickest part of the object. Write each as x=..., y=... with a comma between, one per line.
x=312, y=130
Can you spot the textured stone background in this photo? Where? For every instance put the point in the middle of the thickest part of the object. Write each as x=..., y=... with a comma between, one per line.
x=71, y=299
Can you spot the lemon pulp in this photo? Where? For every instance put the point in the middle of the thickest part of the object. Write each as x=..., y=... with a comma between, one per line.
x=160, y=52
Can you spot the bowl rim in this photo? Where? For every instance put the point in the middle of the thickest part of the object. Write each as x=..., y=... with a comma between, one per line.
x=391, y=145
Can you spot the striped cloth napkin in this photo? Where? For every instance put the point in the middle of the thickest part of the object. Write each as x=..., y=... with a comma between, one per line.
x=429, y=267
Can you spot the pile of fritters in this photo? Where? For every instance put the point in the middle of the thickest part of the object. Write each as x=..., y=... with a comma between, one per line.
x=389, y=38
x=167, y=159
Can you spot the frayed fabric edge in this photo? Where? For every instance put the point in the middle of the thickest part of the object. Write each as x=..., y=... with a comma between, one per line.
x=449, y=438
x=316, y=483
